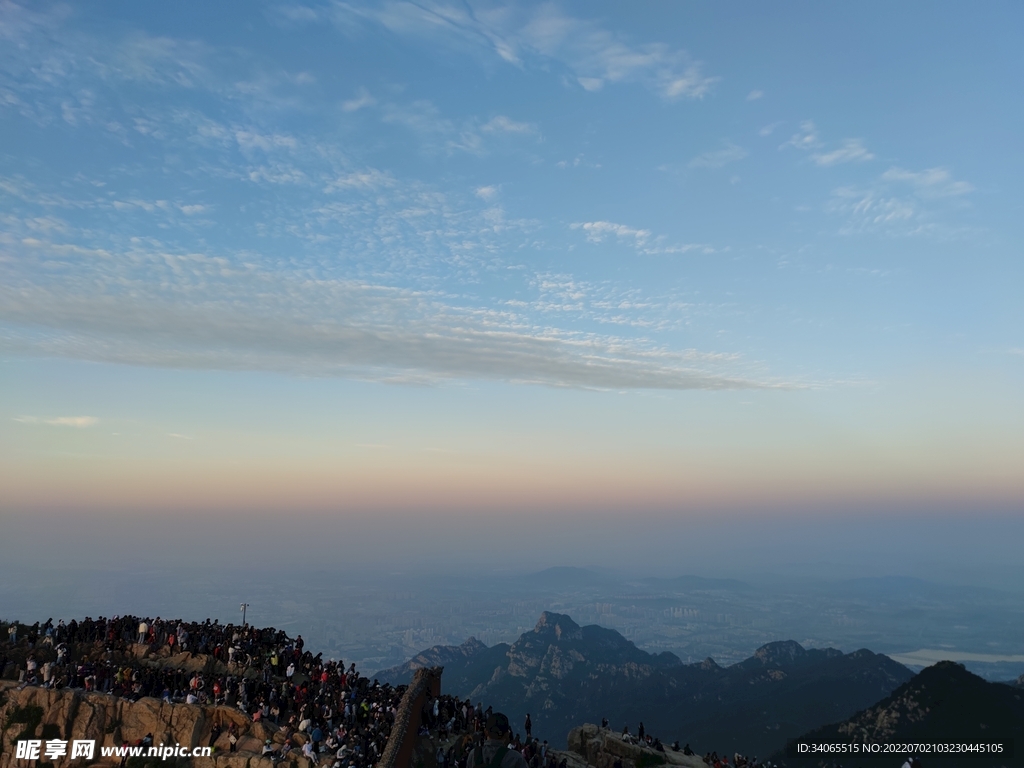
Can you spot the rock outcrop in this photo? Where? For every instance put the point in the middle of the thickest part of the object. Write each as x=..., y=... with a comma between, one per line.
x=41, y=713
x=405, y=740
x=436, y=656
x=601, y=748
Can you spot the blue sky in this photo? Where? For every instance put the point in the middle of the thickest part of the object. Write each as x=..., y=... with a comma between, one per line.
x=720, y=241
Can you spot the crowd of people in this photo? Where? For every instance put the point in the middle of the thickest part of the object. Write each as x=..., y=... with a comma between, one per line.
x=343, y=717
x=712, y=759
x=263, y=672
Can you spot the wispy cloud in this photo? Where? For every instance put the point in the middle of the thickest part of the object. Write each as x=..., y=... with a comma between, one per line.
x=717, y=158
x=580, y=161
x=503, y=124
x=239, y=317
x=808, y=140
x=79, y=422
x=369, y=178
x=869, y=209
x=518, y=35
x=253, y=225
x=597, y=231
x=249, y=141
x=932, y=182
x=887, y=206
x=641, y=239
x=74, y=421
x=443, y=343
x=852, y=150
x=805, y=138
x=755, y=95
x=438, y=133
x=363, y=99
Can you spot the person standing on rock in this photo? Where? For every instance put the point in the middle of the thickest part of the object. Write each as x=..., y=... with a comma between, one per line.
x=528, y=726
x=494, y=752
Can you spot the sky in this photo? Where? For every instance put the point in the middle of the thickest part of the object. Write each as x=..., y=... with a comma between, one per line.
x=396, y=262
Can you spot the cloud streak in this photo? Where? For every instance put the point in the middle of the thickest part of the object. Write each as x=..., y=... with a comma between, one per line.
x=517, y=36
x=597, y=231
x=201, y=312
x=642, y=239
x=718, y=158
x=78, y=422
x=807, y=139
x=442, y=343
x=852, y=150
x=886, y=205
x=933, y=182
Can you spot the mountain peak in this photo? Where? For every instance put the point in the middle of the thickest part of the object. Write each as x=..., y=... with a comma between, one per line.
x=562, y=626
x=941, y=699
x=781, y=652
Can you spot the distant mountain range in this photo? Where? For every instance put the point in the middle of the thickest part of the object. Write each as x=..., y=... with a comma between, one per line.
x=943, y=703
x=565, y=675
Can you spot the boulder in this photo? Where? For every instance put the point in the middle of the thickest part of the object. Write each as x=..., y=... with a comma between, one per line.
x=232, y=760
x=600, y=748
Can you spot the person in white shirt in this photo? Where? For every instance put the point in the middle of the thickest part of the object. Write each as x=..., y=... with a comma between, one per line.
x=308, y=753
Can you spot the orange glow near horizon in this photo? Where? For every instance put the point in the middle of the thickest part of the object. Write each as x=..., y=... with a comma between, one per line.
x=453, y=451
x=459, y=483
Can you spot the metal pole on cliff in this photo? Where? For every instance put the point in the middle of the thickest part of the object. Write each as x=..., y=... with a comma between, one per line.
x=242, y=607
